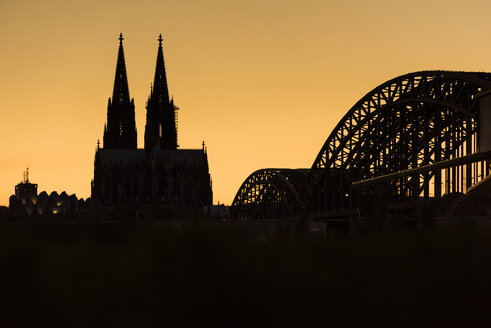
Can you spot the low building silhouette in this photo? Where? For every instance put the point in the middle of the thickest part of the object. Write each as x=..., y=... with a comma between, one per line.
x=27, y=201
x=26, y=190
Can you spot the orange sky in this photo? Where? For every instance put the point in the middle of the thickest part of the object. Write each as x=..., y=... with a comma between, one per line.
x=261, y=82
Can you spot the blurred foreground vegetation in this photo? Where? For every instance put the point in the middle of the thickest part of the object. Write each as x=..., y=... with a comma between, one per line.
x=201, y=275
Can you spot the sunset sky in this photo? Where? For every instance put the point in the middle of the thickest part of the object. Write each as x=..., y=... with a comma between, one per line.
x=263, y=83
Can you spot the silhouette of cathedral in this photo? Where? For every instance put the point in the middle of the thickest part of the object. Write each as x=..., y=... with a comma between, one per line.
x=158, y=174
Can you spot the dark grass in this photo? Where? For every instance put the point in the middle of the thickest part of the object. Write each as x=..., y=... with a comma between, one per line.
x=146, y=275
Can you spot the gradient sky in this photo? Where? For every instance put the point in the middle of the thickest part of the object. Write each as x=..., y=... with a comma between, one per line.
x=263, y=83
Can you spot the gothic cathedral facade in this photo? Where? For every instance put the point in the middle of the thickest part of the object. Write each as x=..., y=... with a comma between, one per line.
x=158, y=174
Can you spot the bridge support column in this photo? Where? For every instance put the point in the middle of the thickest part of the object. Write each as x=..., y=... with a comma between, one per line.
x=485, y=127
x=447, y=180
x=485, y=122
x=437, y=189
x=468, y=151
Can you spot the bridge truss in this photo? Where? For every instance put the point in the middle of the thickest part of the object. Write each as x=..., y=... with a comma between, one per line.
x=270, y=193
x=414, y=120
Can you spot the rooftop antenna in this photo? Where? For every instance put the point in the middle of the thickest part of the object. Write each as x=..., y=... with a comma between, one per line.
x=26, y=175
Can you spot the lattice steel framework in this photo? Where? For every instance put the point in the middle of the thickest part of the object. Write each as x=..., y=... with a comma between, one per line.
x=413, y=120
x=270, y=193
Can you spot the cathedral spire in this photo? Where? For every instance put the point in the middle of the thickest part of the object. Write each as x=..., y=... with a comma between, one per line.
x=121, y=93
x=161, y=112
x=160, y=80
x=120, y=132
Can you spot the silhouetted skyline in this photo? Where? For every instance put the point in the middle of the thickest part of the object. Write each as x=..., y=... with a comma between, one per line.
x=262, y=83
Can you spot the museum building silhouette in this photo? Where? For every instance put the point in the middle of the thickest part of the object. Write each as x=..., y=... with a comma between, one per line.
x=160, y=173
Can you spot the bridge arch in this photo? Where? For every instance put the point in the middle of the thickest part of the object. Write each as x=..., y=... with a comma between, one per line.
x=412, y=120
x=408, y=122
x=270, y=193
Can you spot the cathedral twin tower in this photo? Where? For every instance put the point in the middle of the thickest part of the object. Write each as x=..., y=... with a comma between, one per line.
x=160, y=128
x=160, y=174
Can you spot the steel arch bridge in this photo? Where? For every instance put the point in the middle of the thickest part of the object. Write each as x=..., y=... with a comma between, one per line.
x=402, y=140
x=271, y=193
